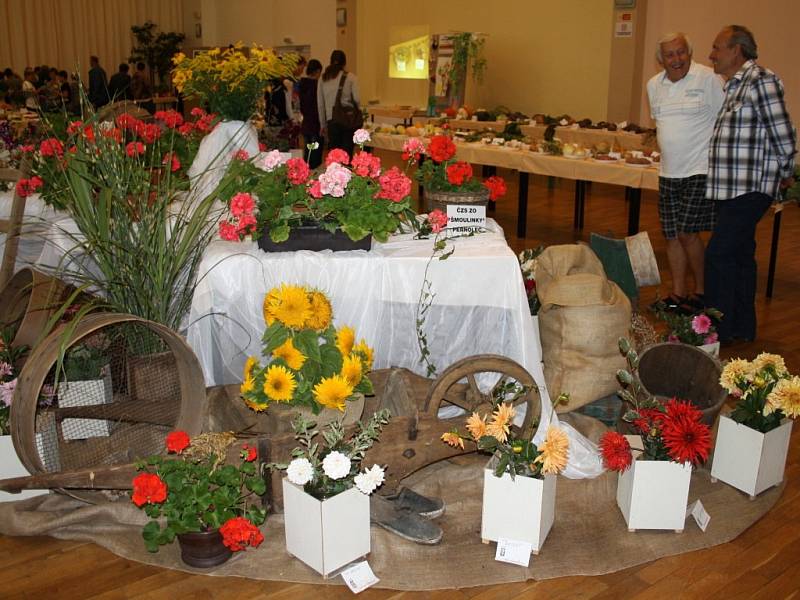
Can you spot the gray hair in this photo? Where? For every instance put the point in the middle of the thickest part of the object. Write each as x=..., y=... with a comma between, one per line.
x=671, y=37
x=743, y=37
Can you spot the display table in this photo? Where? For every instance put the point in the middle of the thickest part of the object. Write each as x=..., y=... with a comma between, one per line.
x=480, y=305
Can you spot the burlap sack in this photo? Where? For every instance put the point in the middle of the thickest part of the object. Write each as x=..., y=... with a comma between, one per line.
x=582, y=317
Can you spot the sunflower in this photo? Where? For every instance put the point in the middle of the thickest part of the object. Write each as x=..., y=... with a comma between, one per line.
x=279, y=383
x=452, y=438
x=321, y=312
x=352, y=369
x=292, y=307
x=256, y=405
x=270, y=301
x=345, y=337
x=333, y=391
x=249, y=365
x=248, y=385
x=553, y=451
x=476, y=425
x=290, y=355
x=736, y=371
x=785, y=396
x=366, y=354
x=500, y=424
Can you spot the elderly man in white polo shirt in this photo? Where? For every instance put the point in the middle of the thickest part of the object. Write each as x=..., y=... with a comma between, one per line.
x=684, y=102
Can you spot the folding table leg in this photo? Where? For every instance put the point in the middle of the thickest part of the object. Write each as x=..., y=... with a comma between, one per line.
x=522, y=205
x=773, y=252
x=635, y=200
x=580, y=196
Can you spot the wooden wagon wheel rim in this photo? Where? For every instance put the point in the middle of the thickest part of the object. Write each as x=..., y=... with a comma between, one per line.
x=45, y=355
x=467, y=368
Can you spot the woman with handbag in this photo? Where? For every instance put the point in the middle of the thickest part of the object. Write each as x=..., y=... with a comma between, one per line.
x=337, y=101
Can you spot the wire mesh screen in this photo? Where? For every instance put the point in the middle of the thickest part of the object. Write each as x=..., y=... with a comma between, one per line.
x=111, y=401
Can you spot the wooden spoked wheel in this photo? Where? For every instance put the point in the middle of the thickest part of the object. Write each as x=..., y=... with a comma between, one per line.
x=459, y=385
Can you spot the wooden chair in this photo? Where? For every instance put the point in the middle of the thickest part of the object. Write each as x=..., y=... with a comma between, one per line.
x=12, y=226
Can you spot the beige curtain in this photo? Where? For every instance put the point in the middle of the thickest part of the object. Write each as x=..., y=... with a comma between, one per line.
x=64, y=33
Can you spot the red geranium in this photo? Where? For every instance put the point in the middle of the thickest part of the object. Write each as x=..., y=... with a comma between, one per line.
x=315, y=189
x=337, y=155
x=297, y=171
x=227, y=231
x=149, y=132
x=148, y=488
x=238, y=533
x=496, y=187
x=134, y=149
x=241, y=204
x=441, y=148
x=249, y=453
x=458, y=173
x=395, y=186
x=366, y=165
x=616, y=451
x=241, y=154
x=177, y=441
x=26, y=187
x=51, y=147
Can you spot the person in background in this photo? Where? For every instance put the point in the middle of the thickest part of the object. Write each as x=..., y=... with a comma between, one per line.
x=140, y=86
x=98, y=83
x=308, y=108
x=293, y=91
x=337, y=135
x=29, y=91
x=684, y=101
x=750, y=163
x=13, y=86
x=119, y=87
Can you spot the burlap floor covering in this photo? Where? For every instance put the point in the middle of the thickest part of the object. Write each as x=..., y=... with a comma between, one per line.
x=589, y=536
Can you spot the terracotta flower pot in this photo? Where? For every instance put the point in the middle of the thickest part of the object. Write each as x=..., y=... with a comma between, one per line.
x=203, y=549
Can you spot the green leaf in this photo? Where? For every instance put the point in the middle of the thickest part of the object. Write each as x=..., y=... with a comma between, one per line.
x=279, y=233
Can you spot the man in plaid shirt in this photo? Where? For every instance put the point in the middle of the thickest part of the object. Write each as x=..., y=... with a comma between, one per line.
x=750, y=162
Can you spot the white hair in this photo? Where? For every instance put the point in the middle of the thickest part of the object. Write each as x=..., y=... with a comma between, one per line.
x=671, y=37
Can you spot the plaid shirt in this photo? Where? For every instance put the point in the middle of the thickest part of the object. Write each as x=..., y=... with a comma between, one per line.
x=753, y=144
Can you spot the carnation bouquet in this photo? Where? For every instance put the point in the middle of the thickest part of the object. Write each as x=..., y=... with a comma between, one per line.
x=311, y=362
x=326, y=469
x=527, y=262
x=696, y=329
x=230, y=81
x=198, y=491
x=272, y=194
x=765, y=391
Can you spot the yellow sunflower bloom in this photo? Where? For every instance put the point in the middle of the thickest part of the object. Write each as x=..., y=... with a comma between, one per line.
x=500, y=424
x=345, y=338
x=271, y=300
x=352, y=369
x=290, y=355
x=249, y=365
x=279, y=384
x=366, y=354
x=333, y=391
x=292, y=307
x=476, y=425
x=321, y=312
x=451, y=438
x=255, y=405
x=553, y=451
x=248, y=385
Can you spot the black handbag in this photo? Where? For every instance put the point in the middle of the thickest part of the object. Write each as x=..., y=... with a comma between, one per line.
x=349, y=117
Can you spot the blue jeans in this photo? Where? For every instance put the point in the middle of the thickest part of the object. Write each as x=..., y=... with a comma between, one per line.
x=730, y=264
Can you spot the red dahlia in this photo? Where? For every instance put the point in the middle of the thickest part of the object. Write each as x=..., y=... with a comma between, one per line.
x=616, y=451
x=686, y=439
x=682, y=408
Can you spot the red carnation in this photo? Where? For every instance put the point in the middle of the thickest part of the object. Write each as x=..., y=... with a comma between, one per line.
x=459, y=173
x=297, y=171
x=186, y=129
x=496, y=187
x=262, y=147
x=134, y=149
x=171, y=118
x=126, y=121
x=115, y=133
x=172, y=160
x=395, y=186
x=149, y=132
x=74, y=127
x=241, y=154
x=26, y=187
x=177, y=441
x=441, y=148
x=88, y=133
x=337, y=155
x=616, y=451
x=51, y=147
x=686, y=439
x=148, y=488
x=238, y=533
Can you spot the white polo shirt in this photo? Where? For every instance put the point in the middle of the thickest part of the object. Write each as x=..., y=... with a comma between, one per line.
x=685, y=112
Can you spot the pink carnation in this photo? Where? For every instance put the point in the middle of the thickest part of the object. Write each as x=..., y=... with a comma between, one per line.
x=366, y=165
x=297, y=171
x=241, y=204
x=395, y=186
x=334, y=180
x=437, y=220
x=337, y=155
x=271, y=161
x=701, y=323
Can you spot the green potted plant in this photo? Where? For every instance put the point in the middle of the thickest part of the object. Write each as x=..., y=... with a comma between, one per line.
x=207, y=504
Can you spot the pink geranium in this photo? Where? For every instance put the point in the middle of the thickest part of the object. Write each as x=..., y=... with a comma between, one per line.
x=271, y=161
x=438, y=220
x=7, y=391
x=334, y=180
x=413, y=148
x=395, y=186
x=337, y=155
x=701, y=323
x=227, y=231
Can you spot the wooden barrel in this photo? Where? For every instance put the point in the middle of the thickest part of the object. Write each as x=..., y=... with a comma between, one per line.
x=679, y=370
x=439, y=200
x=28, y=301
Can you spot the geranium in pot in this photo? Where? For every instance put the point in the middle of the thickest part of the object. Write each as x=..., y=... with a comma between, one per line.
x=209, y=505
x=326, y=493
x=753, y=441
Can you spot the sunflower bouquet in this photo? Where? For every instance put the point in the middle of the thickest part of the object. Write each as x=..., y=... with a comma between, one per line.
x=494, y=434
x=230, y=81
x=765, y=390
x=311, y=362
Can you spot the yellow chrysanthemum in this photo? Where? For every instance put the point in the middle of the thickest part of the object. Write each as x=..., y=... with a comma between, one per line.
x=476, y=425
x=352, y=370
x=553, y=451
x=784, y=396
x=765, y=360
x=333, y=391
x=249, y=365
x=248, y=385
x=736, y=371
x=452, y=438
x=290, y=355
x=345, y=338
x=366, y=354
x=500, y=424
x=279, y=383
x=321, y=312
x=270, y=302
x=292, y=307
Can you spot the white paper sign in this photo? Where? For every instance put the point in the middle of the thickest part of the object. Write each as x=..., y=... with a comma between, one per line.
x=701, y=516
x=514, y=552
x=359, y=577
x=465, y=218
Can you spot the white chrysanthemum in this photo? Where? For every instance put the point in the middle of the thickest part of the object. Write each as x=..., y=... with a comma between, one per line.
x=336, y=465
x=368, y=481
x=300, y=471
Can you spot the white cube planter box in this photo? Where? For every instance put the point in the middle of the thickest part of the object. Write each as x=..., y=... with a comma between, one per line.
x=652, y=494
x=712, y=349
x=85, y=393
x=326, y=534
x=11, y=466
x=747, y=459
x=521, y=509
